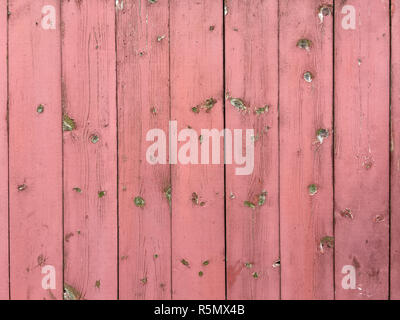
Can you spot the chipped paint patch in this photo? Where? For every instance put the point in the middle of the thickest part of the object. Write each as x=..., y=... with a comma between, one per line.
x=326, y=242
x=322, y=134
x=185, y=263
x=276, y=264
x=119, y=4
x=168, y=195
x=304, y=44
x=40, y=109
x=70, y=293
x=68, y=123
x=312, y=189
x=226, y=9
x=308, y=77
x=249, y=204
x=238, y=104
x=324, y=11
x=347, y=213
x=139, y=202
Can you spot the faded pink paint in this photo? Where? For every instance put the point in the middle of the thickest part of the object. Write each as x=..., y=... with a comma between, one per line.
x=362, y=149
x=395, y=150
x=35, y=150
x=307, y=272
x=197, y=75
x=89, y=97
x=172, y=76
x=143, y=84
x=4, y=281
x=251, y=63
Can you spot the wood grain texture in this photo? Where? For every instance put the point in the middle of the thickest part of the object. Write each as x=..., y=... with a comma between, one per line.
x=90, y=151
x=251, y=62
x=143, y=104
x=395, y=155
x=35, y=149
x=197, y=75
x=305, y=108
x=4, y=280
x=324, y=153
x=362, y=149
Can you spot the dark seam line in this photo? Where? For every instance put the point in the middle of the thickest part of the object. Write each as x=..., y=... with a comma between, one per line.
x=224, y=121
x=170, y=166
x=390, y=148
x=279, y=157
x=117, y=138
x=333, y=147
x=8, y=156
x=62, y=152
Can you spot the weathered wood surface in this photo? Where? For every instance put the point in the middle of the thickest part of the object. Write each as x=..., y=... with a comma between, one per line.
x=4, y=292
x=90, y=149
x=197, y=75
x=251, y=62
x=143, y=104
x=395, y=154
x=71, y=201
x=35, y=147
x=306, y=186
x=362, y=74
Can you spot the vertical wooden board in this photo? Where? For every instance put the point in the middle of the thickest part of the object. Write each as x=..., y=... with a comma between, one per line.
x=305, y=160
x=35, y=148
x=90, y=150
x=197, y=75
x=395, y=154
x=143, y=104
x=4, y=281
x=251, y=62
x=362, y=149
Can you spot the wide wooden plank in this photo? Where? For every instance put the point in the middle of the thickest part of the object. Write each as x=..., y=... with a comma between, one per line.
x=4, y=280
x=90, y=150
x=306, y=198
x=251, y=62
x=198, y=251
x=362, y=42
x=395, y=155
x=35, y=149
x=143, y=104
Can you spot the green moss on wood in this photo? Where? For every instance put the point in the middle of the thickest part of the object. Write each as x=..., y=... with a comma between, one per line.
x=68, y=123
x=139, y=202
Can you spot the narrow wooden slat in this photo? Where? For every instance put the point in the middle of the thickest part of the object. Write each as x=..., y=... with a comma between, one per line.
x=362, y=148
x=90, y=150
x=395, y=151
x=4, y=281
x=35, y=147
x=197, y=75
x=306, y=161
x=143, y=104
x=251, y=63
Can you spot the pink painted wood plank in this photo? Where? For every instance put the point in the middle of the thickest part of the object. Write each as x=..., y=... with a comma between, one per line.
x=251, y=63
x=362, y=148
x=395, y=155
x=35, y=148
x=143, y=104
x=90, y=151
x=197, y=75
x=4, y=279
x=305, y=161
